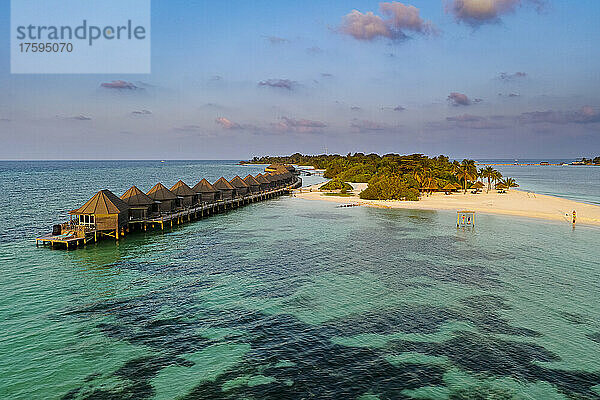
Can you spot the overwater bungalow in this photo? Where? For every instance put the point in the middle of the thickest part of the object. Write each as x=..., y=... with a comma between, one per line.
x=272, y=168
x=104, y=212
x=278, y=179
x=264, y=182
x=253, y=183
x=140, y=204
x=186, y=194
x=241, y=187
x=167, y=200
x=226, y=191
x=205, y=191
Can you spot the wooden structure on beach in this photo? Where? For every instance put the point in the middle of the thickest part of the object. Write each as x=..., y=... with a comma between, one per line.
x=106, y=215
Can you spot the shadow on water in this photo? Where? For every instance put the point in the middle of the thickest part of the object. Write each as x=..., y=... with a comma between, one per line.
x=315, y=366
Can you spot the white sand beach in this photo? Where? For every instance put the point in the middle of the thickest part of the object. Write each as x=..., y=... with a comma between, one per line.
x=514, y=202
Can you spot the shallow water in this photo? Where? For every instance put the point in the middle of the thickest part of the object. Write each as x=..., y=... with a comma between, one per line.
x=291, y=299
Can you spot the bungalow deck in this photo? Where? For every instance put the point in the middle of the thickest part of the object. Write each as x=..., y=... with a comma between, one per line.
x=166, y=220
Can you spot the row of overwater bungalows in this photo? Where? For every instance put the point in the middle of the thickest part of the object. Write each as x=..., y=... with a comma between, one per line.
x=106, y=211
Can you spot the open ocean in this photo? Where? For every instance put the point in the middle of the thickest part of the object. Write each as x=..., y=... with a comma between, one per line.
x=293, y=299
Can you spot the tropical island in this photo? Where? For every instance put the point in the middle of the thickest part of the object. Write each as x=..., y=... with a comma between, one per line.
x=397, y=177
x=588, y=161
x=428, y=183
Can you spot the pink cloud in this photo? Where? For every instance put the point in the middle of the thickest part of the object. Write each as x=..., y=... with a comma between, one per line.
x=400, y=18
x=479, y=12
x=298, y=125
x=460, y=99
x=120, y=85
x=227, y=124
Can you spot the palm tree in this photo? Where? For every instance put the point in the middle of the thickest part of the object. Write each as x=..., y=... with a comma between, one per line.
x=487, y=173
x=509, y=183
x=467, y=171
x=496, y=177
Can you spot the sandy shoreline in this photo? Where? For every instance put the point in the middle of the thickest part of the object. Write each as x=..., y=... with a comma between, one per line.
x=515, y=202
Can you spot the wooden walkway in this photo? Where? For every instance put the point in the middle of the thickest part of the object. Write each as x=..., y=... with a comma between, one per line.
x=167, y=220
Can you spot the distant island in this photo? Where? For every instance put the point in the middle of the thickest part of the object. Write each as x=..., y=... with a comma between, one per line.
x=587, y=161
x=396, y=177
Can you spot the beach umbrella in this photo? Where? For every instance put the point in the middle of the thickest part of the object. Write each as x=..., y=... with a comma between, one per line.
x=478, y=185
x=450, y=186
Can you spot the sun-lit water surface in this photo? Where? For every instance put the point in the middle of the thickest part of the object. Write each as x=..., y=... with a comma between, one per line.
x=290, y=299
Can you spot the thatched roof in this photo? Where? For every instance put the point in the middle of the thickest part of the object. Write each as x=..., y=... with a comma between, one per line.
x=449, y=186
x=182, y=190
x=238, y=182
x=250, y=180
x=204, y=186
x=135, y=197
x=478, y=185
x=223, y=184
x=104, y=202
x=262, y=179
x=277, y=177
x=160, y=193
x=290, y=168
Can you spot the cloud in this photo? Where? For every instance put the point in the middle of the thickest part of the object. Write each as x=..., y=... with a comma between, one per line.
x=215, y=78
x=279, y=83
x=355, y=108
x=399, y=19
x=460, y=99
x=468, y=121
x=326, y=75
x=509, y=95
x=397, y=108
x=188, y=128
x=5, y=119
x=227, y=124
x=141, y=112
x=120, y=85
x=365, y=126
x=314, y=50
x=298, y=125
x=276, y=40
x=479, y=12
x=506, y=77
x=586, y=115
x=80, y=117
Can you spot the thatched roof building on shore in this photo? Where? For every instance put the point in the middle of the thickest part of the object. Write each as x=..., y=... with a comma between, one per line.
x=205, y=191
x=167, y=200
x=104, y=211
x=187, y=196
x=140, y=204
x=226, y=191
x=253, y=183
x=241, y=187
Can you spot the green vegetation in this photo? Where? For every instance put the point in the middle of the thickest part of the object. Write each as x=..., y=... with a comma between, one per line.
x=591, y=161
x=337, y=194
x=392, y=176
x=336, y=184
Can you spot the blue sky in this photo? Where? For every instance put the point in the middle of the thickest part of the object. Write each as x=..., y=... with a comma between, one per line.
x=477, y=78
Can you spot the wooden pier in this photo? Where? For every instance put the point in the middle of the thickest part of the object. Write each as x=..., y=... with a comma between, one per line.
x=91, y=225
